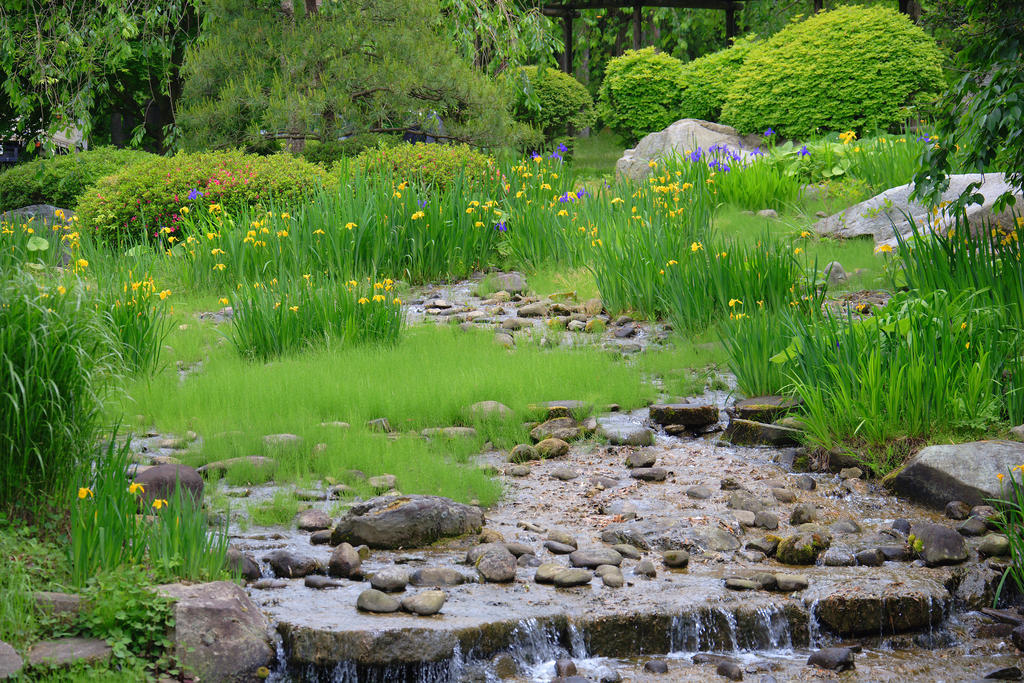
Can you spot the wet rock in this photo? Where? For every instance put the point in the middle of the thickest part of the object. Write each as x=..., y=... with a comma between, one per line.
x=565, y=667
x=844, y=526
x=939, y=544
x=730, y=484
x=497, y=565
x=766, y=520
x=692, y=415
x=802, y=548
x=902, y=526
x=390, y=579
x=552, y=448
x=624, y=509
x=737, y=584
x=851, y=473
x=269, y=584
x=972, y=526
x=858, y=608
x=65, y=652
x=317, y=582
x=345, y=562
x=698, y=492
x=424, y=603
x=562, y=428
x=559, y=548
x=1007, y=673
x=894, y=553
x=675, y=559
x=750, y=433
x=628, y=434
x=744, y=501
x=567, y=578
x=406, y=521
x=523, y=453
x=788, y=583
x=957, y=509
x=594, y=557
x=478, y=551
x=730, y=670
x=649, y=473
x=220, y=467
x=784, y=496
x=10, y=661
x=967, y=472
x=832, y=658
x=837, y=557
x=312, y=520
x=242, y=564
x=715, y=538
x=766, y=545
x=974, y=587
x=161, y=482
x=604, y=482
x=372, y=600
x=518, y=549
x=565, y=474
x=437, y=576
x=765, y=408
x=804, y=513
x=744, y=517
x=287, y=565
x=627, y=551
x=611, y=576
x=241, y=647
x=871, y=557
x=656, y=666
x=560, y=536
x=546, y=572
x=640, y=459
x=528, y=560
x=994, y=545
x=490, y=536
x=754, y=556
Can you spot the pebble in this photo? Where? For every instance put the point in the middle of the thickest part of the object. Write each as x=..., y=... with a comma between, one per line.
x=645, y=568
x=565, y=474
x=568, y=578
x=559, y=548
x=649, y=473
x=372, y=600
x=699, y=492
x=424, y=603
x=390, y=579
x=656, y=666
x=675, y=559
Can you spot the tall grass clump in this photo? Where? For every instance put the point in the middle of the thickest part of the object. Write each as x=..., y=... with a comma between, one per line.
x=751, y=341
x=38, y=244
x=136, y=313
x=54, y=354
x=286, y=316
x=752, y=181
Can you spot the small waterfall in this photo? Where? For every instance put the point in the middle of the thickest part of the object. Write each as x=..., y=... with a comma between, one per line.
x=577, y=643
x=813, y=627
x=534, y=644
x=771, y=630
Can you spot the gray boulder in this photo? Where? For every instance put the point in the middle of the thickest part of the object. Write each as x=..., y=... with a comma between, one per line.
x=967, y=472
x=680, y=138
x=876, y=217
x=406, y=521
x=10, y=661
x=219, y=633
x=64, y=652
x=161, y=482
x=938, y=545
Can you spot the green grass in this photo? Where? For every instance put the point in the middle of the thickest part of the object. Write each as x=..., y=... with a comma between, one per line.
x=428, y=380
x=595, y=156
x=551, y=280
x=278, y=511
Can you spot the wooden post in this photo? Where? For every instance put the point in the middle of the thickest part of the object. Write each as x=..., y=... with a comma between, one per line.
x=730, y=22
x=636, y=26
x=567, y=39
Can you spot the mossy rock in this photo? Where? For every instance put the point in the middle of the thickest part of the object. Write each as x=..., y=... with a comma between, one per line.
x=802, y=548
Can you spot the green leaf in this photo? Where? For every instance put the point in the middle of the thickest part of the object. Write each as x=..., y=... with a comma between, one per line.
x=37, y=243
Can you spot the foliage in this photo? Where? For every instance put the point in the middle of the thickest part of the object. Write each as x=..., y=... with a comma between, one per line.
x=708, y=79
x=289, y=315
x=498, y=34
x=559, y=104
x=328, y=153
x=133, y=205
x=751, y=342
x=30, y=564
x=426, y=164
x=53, y=351
x=640, y=92
x=379, y=66
x=852, y=68
x=1010, y=521
x=136, y=313
x=83, y=63
x=752, y=182
x=61, y=180
x=39, y=244
x=981, y=116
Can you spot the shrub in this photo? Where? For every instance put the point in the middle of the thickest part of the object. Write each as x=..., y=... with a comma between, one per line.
x=327, y=153
x=134, y=204
x=426, y=164
x=559, y=104
x=707, y=80
x=854, y=68
x=61, y=180
x=640, y=92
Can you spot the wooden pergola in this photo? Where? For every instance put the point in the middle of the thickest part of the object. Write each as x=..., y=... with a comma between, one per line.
x=570, y=9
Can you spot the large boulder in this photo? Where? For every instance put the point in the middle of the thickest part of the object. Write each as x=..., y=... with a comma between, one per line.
x=967, y=472
x=681, y=137
x=161, y=481
x=406, y=521
x=876, y=217
x=219, y=633
x=10, y=661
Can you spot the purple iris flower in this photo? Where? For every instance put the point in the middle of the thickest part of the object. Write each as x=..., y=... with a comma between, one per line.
x=804, y=151
x=768, y=133
x=565, y=198
x=581, y=193
x=555, y=155
x=501, y=227
x=562, y=148
x=422, y=203
x=695, y=155
x=194, y=194
x=756, y=152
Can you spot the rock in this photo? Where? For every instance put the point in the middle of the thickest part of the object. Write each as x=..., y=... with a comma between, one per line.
x=425, y=603
x=552, y=448
x=65, y=652
x=511, y=282
x=538, y=309
x=649, y=473
x=744, y=517
x=595, y=557
x=390, y=579
x=518, y=471
x=371, y=600
x=379, y=424
x=768, y=213
x=523, y=453
x=611, y=576
x=994, y=545
x=802, y=548
x=957, y=509
x=627, y=551
x=834, y=273
x=219, y=633
x=675, y=559
x=766, y=545
x=287, y=565
x=749, y=433
x=383, y=482
x=564, y=428
x=497, y=565
x=656, y=666
x=242, y=564
x=449, y=433
x=220, y=467
x=972, y=526
x=874, y=608
x=345, y=562
x=546, y=572
x=805, y=482
x=974, y=586
x=640, y=459
x=766, y=520
x=872, y=557
x=645, y=568
x=803, y=513
x=1018, y=431
x=161, y=482
x=437, y=576
x=967, y=472
x=699, y=492
x=567, y=578
x=282, y=440
x=1017, y=636
x=752, y=556
x=837, y=557
x=312, y=520
x=681, y=137
x=563, y=537
x=787, y=583
x=516, y=323
x=10, y=661
x=845, y=526
x=715, y=538
x=559, y=548
x=518, y=549
x=691, y=415
x=1007, y=673
x=851, y=473
x=322, y=537
x=902, y=526
x=488, y=409
x=765, y=408
x=406, y=521
x=317, y=582
x=504, y=339
x=565, y=668
x=939, y=544
x=877, y=217
x=628, y=434
x=336, y=424
x=730, y=670
x=832, y=658
x=564, y=473
x=61, y=605
x=737, y=584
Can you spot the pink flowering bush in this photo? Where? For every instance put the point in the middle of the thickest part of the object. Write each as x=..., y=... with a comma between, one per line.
x=136, y=203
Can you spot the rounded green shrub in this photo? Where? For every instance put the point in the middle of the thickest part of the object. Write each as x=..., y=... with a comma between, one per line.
x=707, y=80
x=134, y=204
x=61, y=180
x=559, y=102
x=327, y=153
x=854, y=68
x=426, y=163
x=640, y=92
